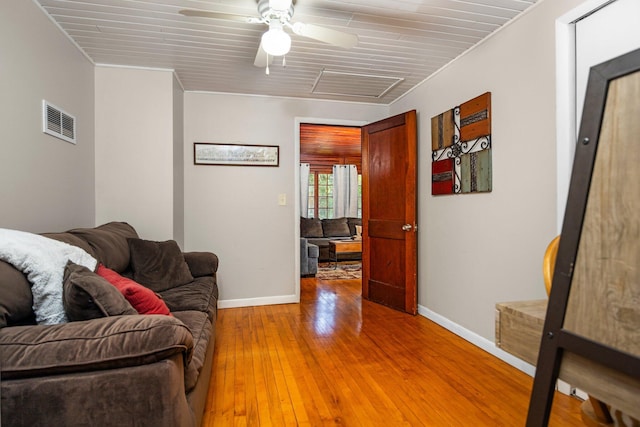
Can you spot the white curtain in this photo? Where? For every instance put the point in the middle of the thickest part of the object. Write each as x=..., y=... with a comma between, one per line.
x=304, y=189
x=345, y=191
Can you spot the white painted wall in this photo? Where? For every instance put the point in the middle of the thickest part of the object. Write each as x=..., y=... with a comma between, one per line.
x=47, y=183
x=134, y=149
x=178, y=162
x=477, y=250
x=233, y=211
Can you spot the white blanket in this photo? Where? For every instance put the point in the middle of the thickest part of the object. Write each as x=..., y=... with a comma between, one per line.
x=43, y=261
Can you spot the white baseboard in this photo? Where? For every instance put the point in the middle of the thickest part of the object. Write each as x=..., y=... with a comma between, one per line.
x=252, y=302
x=487, y=346
x=478, y=341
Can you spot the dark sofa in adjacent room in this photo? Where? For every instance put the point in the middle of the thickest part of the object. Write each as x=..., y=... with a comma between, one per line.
x=320, y=231
x=111, y=366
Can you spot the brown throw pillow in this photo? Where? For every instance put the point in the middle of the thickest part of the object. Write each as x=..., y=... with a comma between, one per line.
x=88, y=296
x=158, y=265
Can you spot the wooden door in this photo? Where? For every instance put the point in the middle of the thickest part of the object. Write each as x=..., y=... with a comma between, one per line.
x=389, y=252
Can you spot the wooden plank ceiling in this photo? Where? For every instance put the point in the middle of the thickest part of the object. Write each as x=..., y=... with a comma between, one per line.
x=323, y=140
x=401, y=41
x=323, y=146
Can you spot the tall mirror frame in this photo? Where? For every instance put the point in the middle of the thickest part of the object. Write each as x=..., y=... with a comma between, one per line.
x=591, y=335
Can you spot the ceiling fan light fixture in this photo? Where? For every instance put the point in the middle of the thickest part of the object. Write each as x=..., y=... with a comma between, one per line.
x=275, y=41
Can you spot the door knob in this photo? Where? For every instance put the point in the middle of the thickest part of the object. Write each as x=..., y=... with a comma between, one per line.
x=406, y=227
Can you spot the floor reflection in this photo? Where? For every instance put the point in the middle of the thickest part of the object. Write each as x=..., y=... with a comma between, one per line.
x=335, y=306
x=325, y=315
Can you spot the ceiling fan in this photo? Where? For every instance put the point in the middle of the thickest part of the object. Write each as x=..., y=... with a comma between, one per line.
x=277, y=15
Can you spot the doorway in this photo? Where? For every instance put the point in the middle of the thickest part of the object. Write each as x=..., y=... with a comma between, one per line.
x=331, y=201
x=592, y=33
x=297, y=161
x=389, y=148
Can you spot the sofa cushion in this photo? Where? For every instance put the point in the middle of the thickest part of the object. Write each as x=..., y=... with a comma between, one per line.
x=158, y=265
x=88, y=296
x=143, y=299
x=105, y=343
x=72, y=240
x=149, y=395
x=310, y=227
x=337, y=227
x=321, y=242
x=15, y=297
x=199, y=295
x=200, y=327
x=109, y=243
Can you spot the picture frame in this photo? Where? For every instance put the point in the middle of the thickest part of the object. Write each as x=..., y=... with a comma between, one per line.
x=220, y=154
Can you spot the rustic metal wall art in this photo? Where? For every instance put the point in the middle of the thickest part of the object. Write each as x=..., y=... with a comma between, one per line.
x=461, y=148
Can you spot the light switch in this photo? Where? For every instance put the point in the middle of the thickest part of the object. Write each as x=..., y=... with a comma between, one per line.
x=282, y=199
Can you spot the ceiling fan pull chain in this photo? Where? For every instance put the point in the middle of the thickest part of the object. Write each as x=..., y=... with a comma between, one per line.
x=284, y=61
x=266, y=70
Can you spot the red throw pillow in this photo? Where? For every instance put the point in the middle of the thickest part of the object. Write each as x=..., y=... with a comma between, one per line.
x=144, y=300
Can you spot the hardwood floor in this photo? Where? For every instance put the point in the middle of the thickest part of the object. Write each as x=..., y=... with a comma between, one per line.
x=335, y=359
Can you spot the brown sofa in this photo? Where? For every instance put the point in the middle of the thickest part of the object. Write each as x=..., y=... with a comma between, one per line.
x=123, y=370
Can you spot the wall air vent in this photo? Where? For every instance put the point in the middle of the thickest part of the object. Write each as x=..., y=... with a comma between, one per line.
x=58, y=123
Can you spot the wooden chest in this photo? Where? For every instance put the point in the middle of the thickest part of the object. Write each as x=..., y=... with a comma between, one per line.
x=519, y=328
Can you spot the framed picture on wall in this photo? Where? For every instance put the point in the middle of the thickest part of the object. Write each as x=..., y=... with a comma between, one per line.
x=207, y=153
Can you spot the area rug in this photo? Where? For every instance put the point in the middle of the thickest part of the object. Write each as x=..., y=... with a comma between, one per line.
x=346, y=270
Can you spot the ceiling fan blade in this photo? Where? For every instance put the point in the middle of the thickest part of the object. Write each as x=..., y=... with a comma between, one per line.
x=221, y=15
x=262, y=58
x=326, y=35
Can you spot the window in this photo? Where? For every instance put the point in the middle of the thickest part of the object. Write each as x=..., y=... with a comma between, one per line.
x=325, y=195
x=321, y=195
x=359, y=195
x=312, y=196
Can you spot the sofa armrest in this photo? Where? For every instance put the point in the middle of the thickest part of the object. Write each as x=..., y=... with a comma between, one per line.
x=304, y=251
x=105, y=343
x=201, y=263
